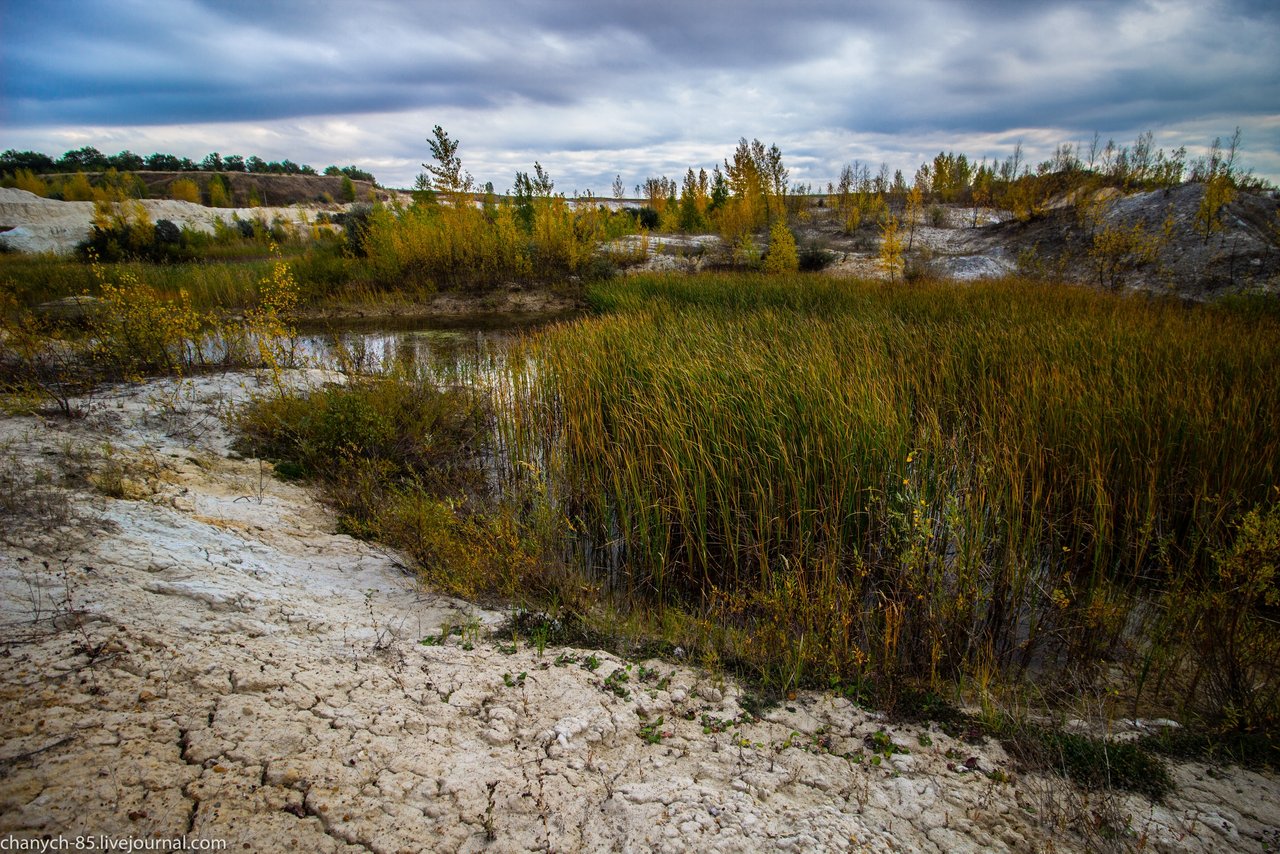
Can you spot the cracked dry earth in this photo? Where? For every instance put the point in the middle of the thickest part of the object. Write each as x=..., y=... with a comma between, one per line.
x=189, y=649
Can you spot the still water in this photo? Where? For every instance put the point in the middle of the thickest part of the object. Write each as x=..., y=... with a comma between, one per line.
x=455, y=349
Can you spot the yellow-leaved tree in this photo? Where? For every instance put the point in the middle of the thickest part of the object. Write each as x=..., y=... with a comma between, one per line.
x=891, y=257
x=782, y=257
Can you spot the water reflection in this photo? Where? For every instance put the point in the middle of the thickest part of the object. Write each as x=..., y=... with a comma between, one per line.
x=457, y=350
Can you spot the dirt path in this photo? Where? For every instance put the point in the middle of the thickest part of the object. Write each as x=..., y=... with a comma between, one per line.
x=188, y=648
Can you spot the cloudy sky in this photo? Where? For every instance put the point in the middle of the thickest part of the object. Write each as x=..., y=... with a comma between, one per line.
x=593, y=88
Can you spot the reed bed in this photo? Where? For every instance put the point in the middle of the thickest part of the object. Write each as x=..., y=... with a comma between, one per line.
x=849, y=481
x=33, y=279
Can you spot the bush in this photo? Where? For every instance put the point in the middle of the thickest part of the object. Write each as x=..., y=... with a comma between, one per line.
x=185, y=190
x=166, y=233
x=648, y=218
x=1224, y=625
x=402, y=461
x=814, y=258
x=77, y=189
x=782, y=250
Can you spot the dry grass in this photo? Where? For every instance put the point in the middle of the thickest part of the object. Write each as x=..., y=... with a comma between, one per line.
x=855, y=480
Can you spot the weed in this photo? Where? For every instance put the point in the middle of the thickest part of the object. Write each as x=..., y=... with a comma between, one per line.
x=652, y=731
x=615, y=682
x=1094, y=763
x=881, y=743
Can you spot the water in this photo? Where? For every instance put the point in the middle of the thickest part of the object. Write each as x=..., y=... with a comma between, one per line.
x=456, y=350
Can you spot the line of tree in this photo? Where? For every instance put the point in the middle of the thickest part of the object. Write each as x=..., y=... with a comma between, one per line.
x=90, y=159
x=751, y=190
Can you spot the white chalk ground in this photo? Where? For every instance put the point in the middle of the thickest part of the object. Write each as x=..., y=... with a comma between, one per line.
x=36, y=224
x=205, y=656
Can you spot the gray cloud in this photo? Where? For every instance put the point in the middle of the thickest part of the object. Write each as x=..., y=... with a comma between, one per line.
x=636, y=82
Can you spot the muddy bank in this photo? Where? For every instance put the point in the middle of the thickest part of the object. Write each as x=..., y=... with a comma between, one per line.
x=188, y=647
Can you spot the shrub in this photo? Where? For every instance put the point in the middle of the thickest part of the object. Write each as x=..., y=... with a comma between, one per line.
x=25, y=179
x=136, y=331
x=121, y=230
x=77, y=189
x=219, y=192
x=167, y=234
x=648, y=218
x=782, y=250
x=1223, y=625
x=814, y=257
x=185, y=190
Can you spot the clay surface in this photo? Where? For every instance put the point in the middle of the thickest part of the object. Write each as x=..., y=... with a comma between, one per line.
x=188, y=648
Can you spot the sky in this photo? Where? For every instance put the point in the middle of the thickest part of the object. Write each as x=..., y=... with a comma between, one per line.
x=597, y=88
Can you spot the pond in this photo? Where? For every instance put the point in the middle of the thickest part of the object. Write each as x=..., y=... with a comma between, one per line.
x=454, y=349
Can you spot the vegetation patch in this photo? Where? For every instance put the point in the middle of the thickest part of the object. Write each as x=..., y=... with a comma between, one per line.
x=1094, y=763
x=840, y=481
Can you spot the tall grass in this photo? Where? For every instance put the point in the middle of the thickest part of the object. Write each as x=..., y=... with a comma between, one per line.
x=34, y=279
x=863, y=481
x=452, y=246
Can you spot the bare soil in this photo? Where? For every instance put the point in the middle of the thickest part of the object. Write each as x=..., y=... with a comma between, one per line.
x=187, y=647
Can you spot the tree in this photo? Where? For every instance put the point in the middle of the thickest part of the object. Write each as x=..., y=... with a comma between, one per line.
x=125, y=161
x=694, y=200
x=87, y=159
x=233, y=163
x=527, y=190
x=219, y=192
x=891, y=258
x=1218, y=174
x=185, y=190
x=719, y=190
x=11, y=161
x=212, y=163
x=1218, y=193
x=447, y=175
x=782, y=257
x=1117, y=250
x=915, y=204
x=77, y=189
x=618, y=189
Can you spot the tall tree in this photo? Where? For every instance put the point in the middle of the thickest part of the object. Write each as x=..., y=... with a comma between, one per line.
x=447, y=175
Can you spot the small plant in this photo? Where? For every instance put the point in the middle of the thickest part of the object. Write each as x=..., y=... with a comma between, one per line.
x=539, y=636
x=513, y=681
x=589, y=663
x=652, y=732
x=1094, y=763
x=471, y=632
x=615, y=682
x=881, y=743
